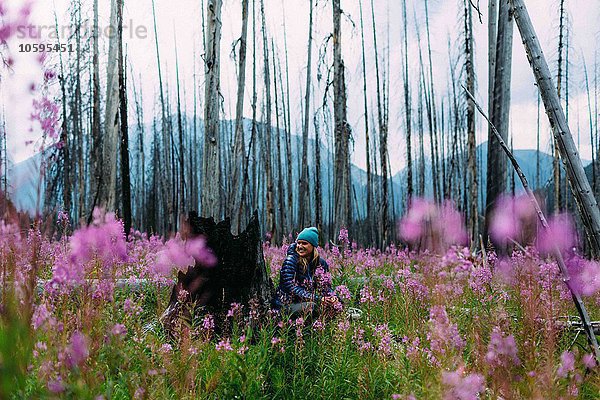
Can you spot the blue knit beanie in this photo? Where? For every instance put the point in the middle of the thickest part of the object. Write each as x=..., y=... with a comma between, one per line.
x=311, y=235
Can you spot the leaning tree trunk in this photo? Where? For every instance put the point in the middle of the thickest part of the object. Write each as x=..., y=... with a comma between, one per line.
x=240, y=275
x=588, y=207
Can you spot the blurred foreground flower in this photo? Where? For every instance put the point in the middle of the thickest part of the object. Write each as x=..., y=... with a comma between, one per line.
x=179, y=254
x=560, y=234
x=78, y=350
x=433, y=227
x=512, y=218
x=462, y=387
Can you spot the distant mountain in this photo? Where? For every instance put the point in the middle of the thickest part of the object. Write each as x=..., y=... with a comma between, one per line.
x=24, y=177
x=24, y=184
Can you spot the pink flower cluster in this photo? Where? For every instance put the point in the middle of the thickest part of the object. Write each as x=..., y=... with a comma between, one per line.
x=511, y=217
x=443, y=334
x=46, y=112
x=179, y=254
x=462, y=387
x=502, y=350
x=434, y=227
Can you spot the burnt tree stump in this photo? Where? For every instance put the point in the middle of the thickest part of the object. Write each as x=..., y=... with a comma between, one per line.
x=240, y=275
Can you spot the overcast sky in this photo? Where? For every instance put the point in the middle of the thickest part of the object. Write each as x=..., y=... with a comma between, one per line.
x=182, y=19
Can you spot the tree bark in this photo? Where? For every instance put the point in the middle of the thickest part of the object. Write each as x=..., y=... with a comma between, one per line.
x=108, y=194
x=270, y=225
x=239, y=147
x=342, y=215
x=383, y=134
x=304, y=200
x=496, y=167
x=369, y=214
x=473, y=213
x=211, y=177
x=407, y=108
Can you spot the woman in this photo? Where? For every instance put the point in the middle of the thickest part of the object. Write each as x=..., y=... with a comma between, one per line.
x=298, y=291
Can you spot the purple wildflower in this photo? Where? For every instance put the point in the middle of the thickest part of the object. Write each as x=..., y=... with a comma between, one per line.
x=502, y=350
x=40, y=316
x=342, y=292
x=462, y=388
x=166, y=348
x=56, y=385
x=567, y=364
x=343, y=236
x=510, y=217
x=208, y=323
x=224, y=345
x=560, y=235
x=118, y=330
x=443, y=334
x=78, y=350
x=589, y=361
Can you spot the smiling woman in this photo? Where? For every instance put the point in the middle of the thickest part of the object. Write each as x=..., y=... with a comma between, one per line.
x=303, y=279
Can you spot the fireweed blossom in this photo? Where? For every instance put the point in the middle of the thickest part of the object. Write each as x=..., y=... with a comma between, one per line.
x=443, y=335
x=502, y=350
x=584, y=275
x=567, y=364
x=104, y=239
x=179, y=254
x=511, y=218
x=462, y=387
x=435, y=227
x=560, y=234
x=77, y=351
x=46, y=112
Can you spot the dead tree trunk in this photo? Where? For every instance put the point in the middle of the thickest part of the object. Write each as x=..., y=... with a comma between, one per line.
x=556, y=158
x=270, y=226
x=288, y=133
x=108, y=194
x=588, y=207
x=496, y=167
x=407, y=108
x=281, y=221
x=369, y=213
x=124, y=142
x=240, y=275
x=342, y=184
x=471, y=141
x=96, y=182
x=304, y=186
x=211, y=177
x=318, y=195
x=239, y=150
x=180, y=205
x=383, y=134
x=579, y=305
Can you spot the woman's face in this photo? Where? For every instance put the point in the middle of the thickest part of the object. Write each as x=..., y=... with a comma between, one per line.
x=304, y=248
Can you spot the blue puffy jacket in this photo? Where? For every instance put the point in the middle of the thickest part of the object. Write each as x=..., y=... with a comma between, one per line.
x=296, y=286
